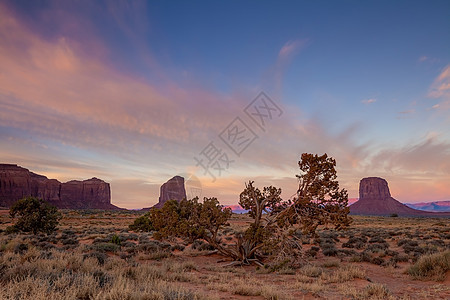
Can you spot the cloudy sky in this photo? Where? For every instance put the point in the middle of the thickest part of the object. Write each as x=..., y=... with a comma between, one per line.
x=137, y=92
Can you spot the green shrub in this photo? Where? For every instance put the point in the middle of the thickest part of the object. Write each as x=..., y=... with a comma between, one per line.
x=105, y=247
x=142, y=224
x=35, y=215
x=116, y=239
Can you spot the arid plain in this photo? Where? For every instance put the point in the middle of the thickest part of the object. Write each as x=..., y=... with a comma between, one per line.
x=94, y=255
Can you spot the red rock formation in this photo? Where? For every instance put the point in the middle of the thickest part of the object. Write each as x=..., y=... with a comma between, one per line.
x=375, y=199
x=91, y=193
x=44, y=188
x=173, y=189
x=17, y=182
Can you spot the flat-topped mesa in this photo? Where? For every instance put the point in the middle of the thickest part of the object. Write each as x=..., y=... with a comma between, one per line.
x=91, y=193
x=17, y=182
x=173, y=189
x=373, y=188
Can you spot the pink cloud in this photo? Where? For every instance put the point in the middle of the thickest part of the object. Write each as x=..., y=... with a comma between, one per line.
x=290, y=48
x=440, y=89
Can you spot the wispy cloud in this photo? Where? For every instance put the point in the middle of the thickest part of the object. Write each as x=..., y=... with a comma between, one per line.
x=369, y=101
x=290, y=48
x=285, y=56
x=440, y=89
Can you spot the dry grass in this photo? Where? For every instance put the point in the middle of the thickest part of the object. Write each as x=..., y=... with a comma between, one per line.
x=67, y=275
x=434, y=266
x=81, y=262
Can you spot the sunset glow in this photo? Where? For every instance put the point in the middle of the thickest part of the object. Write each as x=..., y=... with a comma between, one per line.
x=132, y=92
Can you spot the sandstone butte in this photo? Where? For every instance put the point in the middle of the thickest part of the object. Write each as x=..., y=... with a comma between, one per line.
x=173, y=189
x=17, y=182
x=375, y=199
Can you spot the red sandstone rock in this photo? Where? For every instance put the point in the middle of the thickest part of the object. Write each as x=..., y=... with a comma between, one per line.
x=375, y=199
x=17, y=182
x=173, y=189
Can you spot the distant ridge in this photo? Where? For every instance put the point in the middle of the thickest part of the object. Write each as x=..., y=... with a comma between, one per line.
x=375, y=199
x=435, y=206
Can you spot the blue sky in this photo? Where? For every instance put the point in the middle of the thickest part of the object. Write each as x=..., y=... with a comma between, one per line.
x=132, y=91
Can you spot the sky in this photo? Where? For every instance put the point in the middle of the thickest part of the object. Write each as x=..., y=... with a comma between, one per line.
x=223, y=92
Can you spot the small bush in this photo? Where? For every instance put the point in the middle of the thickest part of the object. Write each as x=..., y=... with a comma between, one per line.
x=101, y=257
x=35, y=215
x=432, y=266
x=116, y=239
x=142, y=224
x=105, y=247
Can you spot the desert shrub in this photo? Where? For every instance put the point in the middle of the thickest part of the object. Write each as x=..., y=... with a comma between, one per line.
x=105, y=247
x=331, y=251
x=133, y=237
x=70, y=241
x=401, y=258
x=101, y=240
x=377, y=260
x=377, y=239
x=433, y=266
x=177, y=247
x=100, y=256
x=355, y=242
x=347, y=252
x=312, y=251
x=20, y=248
x=102, y=278
x=128, y=244
x=151, y=246
x=34, y=215
x=142, y=224
x=438, y=243
x=115, y=239
x=329, y=235
x=377, y=247
x=201, y=246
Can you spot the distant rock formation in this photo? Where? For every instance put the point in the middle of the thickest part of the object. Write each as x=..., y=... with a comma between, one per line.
x=375, y=199
x=17, y=182
x=173, y=189
x=436, y=206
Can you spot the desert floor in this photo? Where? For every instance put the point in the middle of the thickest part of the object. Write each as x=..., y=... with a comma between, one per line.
x=93, y=255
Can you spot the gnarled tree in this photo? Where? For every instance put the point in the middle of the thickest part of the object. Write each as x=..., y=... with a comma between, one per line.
x=318, y=201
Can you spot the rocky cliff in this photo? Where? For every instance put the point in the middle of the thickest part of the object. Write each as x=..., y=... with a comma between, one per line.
x=375, y=199
x=17, y=182
x=173, y=189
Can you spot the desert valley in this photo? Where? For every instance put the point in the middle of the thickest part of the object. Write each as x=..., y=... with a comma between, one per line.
x=182, y=150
